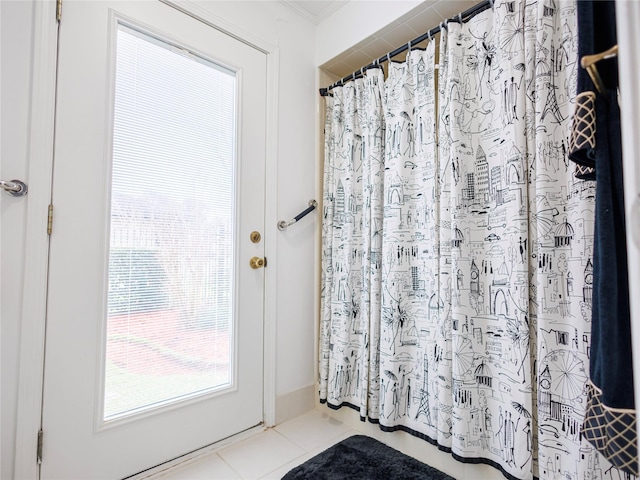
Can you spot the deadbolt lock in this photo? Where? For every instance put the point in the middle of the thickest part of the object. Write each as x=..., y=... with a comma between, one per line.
x=257, y=262
x=255, y=237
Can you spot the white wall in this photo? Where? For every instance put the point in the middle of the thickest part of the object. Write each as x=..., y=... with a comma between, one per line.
x=16, y=29
x=266, y=22
x=627, y=18
x=357, y=21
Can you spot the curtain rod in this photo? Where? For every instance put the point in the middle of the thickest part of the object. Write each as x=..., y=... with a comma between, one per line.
x=460, y=18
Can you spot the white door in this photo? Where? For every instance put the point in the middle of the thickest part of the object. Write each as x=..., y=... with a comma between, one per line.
x=154, y=341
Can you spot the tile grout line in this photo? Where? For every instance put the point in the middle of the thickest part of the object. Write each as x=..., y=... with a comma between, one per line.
x=308, y=452
x=290, y=439
x=280, y=465
x=229, y=465
x=266, y=475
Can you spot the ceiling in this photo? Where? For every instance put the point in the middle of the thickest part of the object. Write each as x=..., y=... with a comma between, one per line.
x=314, y=11
x=399, y=32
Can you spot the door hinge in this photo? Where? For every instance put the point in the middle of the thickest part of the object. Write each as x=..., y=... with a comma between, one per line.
x=50, y=220
x=58, y=10
x=39, y=452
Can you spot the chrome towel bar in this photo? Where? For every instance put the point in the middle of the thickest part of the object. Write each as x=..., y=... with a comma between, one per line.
x=282, y=224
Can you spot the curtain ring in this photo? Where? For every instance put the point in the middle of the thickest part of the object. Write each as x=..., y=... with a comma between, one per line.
x=388, y=57
x=491, y=4
x=409, y=47
x=429, y=35
x=460, y=18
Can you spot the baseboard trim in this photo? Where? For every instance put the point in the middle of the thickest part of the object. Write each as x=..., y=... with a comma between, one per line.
x=295, y=403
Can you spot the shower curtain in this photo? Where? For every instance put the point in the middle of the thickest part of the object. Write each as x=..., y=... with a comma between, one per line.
x=457, y=246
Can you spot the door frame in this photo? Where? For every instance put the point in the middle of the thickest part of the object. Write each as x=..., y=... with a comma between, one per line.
x=40, y=167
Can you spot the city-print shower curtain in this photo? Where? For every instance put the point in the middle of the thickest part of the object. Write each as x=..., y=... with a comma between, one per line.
x=457, y=245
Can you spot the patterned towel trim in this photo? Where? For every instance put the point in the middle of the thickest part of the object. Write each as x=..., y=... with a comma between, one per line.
x=585, y=173
x=612, y=431
x=582, y=141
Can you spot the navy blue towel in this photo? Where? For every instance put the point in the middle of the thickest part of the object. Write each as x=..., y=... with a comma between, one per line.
x=610, y=421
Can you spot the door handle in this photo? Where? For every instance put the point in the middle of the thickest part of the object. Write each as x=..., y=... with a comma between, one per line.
x=257, y=262
x=15, y=188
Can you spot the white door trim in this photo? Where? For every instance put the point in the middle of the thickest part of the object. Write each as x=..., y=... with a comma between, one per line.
x=40, y=167
x=34, y=297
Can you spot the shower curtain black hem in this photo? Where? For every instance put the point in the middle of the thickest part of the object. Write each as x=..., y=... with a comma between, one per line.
x=422, y=436
x=350, y=405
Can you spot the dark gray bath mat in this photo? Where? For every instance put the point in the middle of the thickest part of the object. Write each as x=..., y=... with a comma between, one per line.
x=361, y=457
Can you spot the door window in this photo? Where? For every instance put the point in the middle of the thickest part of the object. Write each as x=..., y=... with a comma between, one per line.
x=170, y=308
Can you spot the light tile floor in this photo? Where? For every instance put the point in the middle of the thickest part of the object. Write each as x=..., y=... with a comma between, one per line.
x=269, y=454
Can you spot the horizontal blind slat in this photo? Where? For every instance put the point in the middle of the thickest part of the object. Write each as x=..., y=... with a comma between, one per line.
x=171, y=241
